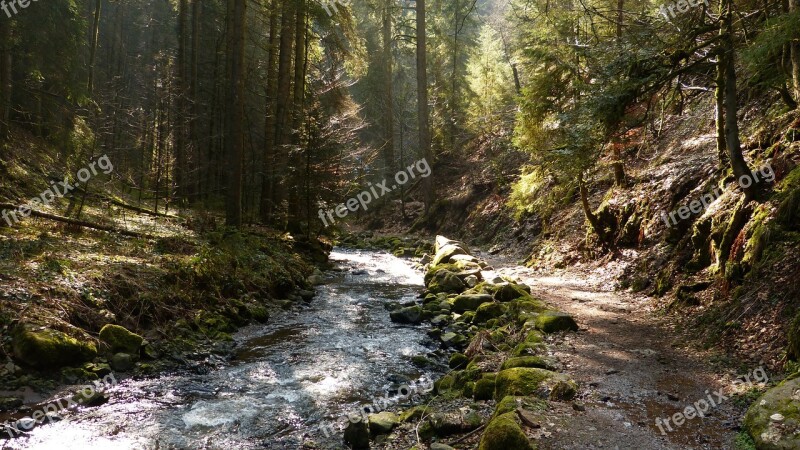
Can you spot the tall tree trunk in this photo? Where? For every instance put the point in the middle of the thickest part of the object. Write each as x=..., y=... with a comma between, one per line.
x=618, y=164
x=180, y=101
x=299, y=69
x=719, y=96
x=298, y=98
x=727, y=59
x=283, y=113
x=194, y=120
x=93, y=46
x=5, y=77
x=794, y=50
x=234, y=114
x=388, y=86
x=268, y=168
x=422, y=103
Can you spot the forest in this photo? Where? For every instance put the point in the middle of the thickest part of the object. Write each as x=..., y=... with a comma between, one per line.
x=400, y=224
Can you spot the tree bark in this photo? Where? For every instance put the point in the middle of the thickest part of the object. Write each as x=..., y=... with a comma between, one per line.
x=727, y=59
x=5, y=78
x=422, y=103
x=180, y=101
x=794, y=50
x=194, y=120
x=234, y=136
x=93, y=46
x=79, y=223
x=388, y=85
x=283, y=113
x=268, y=168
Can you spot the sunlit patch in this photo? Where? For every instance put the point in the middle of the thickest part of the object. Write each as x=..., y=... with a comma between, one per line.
x=220, y=413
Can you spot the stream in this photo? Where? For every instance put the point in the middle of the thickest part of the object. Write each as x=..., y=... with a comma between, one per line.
x=305, y=369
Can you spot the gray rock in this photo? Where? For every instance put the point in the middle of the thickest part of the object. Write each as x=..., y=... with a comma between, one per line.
x=411, y=314
x=122, y=362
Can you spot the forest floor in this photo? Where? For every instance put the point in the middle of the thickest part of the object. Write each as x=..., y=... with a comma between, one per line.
x=633, y=367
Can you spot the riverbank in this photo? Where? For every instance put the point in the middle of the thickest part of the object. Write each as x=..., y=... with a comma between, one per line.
x=174, y=298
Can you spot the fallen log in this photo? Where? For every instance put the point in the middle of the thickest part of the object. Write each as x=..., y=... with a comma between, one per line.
x=78, y=223
x=124, y=205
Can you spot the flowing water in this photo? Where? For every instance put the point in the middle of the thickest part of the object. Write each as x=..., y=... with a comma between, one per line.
x=303, y=370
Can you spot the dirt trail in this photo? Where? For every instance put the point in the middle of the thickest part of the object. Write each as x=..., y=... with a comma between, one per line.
x=632, y=370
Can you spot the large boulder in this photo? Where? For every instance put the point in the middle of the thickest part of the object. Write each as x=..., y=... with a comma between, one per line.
x=356, y=435
x=555, y=321
x=411, y=314
x=489, y=311
x=503, y=432
x=773, y=420
x=470, y=302
x=383, y=423
x=44, y=348
x=445, y=281
x=120, y=340
x=448, y=251
x=532, y=381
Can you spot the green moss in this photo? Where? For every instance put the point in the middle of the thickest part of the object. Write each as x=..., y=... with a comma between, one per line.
x=120, y=340
x=503, y=432
x=414, y=413
x=484, y=388
x=555, y=321
x=458, y=361
x=772, y=419
x=44, y=348
x=527, y=361
x=489, y=311
x=508, y=404
x=528, y=348
x=532, y=381
x=470, y=302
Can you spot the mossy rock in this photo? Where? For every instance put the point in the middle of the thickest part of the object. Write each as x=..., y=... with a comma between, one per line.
x=120, y=340
x=382, y=423
x=534, y=337
x=773, y=420
x=44, y=348
x=414, y=413
x=448, y=251
x=408, y=315
x=555, y=321
x=531, y=381
x=467, y=317
x=357, y=435
x=527, y=361
x=468, y=390
x=528, y=349
x=470, y=302
x=508, y=404
x=444, y=384
x=488, y=311
x=445, y=281
x=503, y=432
x=511, y=291
x=458, y=361
x=258, y=313
x=484, y=388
